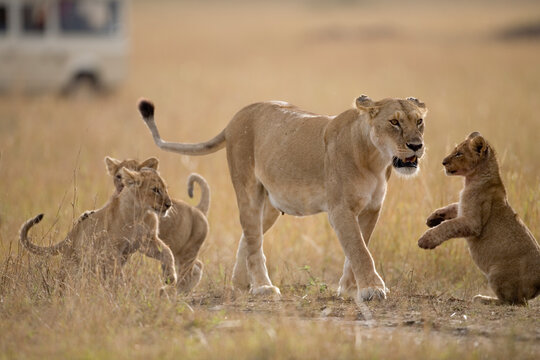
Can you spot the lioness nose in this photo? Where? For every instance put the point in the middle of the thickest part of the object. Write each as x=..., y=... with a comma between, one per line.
x=414, y=147
x=445, y=162
x=167, y=205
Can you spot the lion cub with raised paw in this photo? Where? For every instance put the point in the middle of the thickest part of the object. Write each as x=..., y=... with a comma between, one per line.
x=499, y=242
x=103, y=240
x=183, y=229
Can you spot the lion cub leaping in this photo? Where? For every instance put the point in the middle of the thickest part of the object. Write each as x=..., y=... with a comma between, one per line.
x=499, y=242
x=103, y=240
x=183, y=229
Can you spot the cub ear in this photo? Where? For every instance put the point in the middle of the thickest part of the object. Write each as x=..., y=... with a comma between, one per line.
x=112, y=165
x=473, y=135
x=478, y=144
x=130, y=177
x=365, y=103
x=151, y=163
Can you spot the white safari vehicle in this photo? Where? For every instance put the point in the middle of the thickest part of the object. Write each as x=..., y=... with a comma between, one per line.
x=61, y=45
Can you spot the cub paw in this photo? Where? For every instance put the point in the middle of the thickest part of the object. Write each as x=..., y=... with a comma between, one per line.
x=434, y=219
x=428, y=241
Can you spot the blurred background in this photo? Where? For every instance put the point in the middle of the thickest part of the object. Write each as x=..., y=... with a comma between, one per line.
x=71, y=73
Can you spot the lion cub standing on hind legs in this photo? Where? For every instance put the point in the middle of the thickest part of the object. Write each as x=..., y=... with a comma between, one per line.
x=184, y=228
x=104, y=239
x=500, y=243
x=286, y=160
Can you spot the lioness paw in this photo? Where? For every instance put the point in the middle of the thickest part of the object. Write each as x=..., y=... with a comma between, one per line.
x=266, y=290
x=372, y=293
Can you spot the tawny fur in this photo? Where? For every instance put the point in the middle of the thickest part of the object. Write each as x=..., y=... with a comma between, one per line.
x=183, y=229
x=104, y=239
x=501, y=245
x=284, y=159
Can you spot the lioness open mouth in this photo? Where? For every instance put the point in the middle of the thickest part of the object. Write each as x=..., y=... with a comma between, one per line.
x=408, y=162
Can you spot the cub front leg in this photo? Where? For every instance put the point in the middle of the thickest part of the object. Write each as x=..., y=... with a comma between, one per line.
x=152, y=246
x=442, y=214
x=455, y=228
x=368, y=282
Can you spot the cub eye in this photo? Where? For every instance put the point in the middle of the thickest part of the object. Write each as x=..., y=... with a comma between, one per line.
x=118, y=176
x=156, y=190
x=394, y=122
x=419, y=122
x=458, y=154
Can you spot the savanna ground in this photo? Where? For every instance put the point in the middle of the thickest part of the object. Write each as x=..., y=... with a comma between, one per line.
x=201, y=63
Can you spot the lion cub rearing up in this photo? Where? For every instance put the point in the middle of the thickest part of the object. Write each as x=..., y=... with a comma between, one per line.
x=183, y=228
x=104, y=239
x=500, y=243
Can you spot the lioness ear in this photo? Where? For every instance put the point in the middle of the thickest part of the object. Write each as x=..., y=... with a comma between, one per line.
x=130, y=177
x=364, y=103
x=478, y=144
x=112, y=165
x=473, y=135
x=417, y=102
x=151, y=163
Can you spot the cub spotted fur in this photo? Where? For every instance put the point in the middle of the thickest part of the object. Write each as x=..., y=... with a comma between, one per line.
x=500, y=243
x=105, y=238
x=184, y=228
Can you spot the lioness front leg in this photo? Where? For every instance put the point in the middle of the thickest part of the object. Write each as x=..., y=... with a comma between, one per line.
x=446, y=213
x=369, y=284
x=455, y=228
x=367, y=221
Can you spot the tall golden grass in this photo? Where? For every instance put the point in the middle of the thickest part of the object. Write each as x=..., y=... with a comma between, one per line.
x=200, y=63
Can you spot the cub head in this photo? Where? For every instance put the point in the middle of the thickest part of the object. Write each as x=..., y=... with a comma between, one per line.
x=148, y=188
x=114, y=166
x=467, y=155
x=397, y=129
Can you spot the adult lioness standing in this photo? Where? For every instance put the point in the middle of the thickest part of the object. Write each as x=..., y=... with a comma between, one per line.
x=284, y=159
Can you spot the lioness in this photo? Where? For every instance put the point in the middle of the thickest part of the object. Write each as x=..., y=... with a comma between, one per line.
x=284, y=159
x=183, y=229
x=499, y=242
x=105, y=238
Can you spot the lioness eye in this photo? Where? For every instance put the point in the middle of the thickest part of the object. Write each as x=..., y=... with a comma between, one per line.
x=459, y=154
x=394, y=122
x=419, y=122
x=156, y=190
x=118, y=176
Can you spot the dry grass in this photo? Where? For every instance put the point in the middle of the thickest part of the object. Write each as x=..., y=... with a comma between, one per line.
x=201, y=64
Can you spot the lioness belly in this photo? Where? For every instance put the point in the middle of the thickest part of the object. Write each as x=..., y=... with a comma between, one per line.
x=298, y=202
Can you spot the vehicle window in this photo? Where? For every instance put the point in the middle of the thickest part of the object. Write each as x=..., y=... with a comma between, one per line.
x=88, y=16
x=3, y=18
x=34, y=17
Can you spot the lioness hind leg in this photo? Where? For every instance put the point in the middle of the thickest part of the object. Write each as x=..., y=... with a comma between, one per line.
x=486, y=300
x=240, y=278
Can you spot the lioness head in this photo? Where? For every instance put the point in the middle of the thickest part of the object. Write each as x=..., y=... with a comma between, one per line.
x=114, y=166
x=148, y=187
x=467, y=155
x=396, y=129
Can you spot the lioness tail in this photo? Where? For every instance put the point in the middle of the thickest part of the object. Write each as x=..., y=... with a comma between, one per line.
x=146, y=108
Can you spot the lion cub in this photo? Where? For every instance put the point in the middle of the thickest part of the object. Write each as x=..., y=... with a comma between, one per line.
x=500, y=243
x=104, y=239
x=183, y=229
